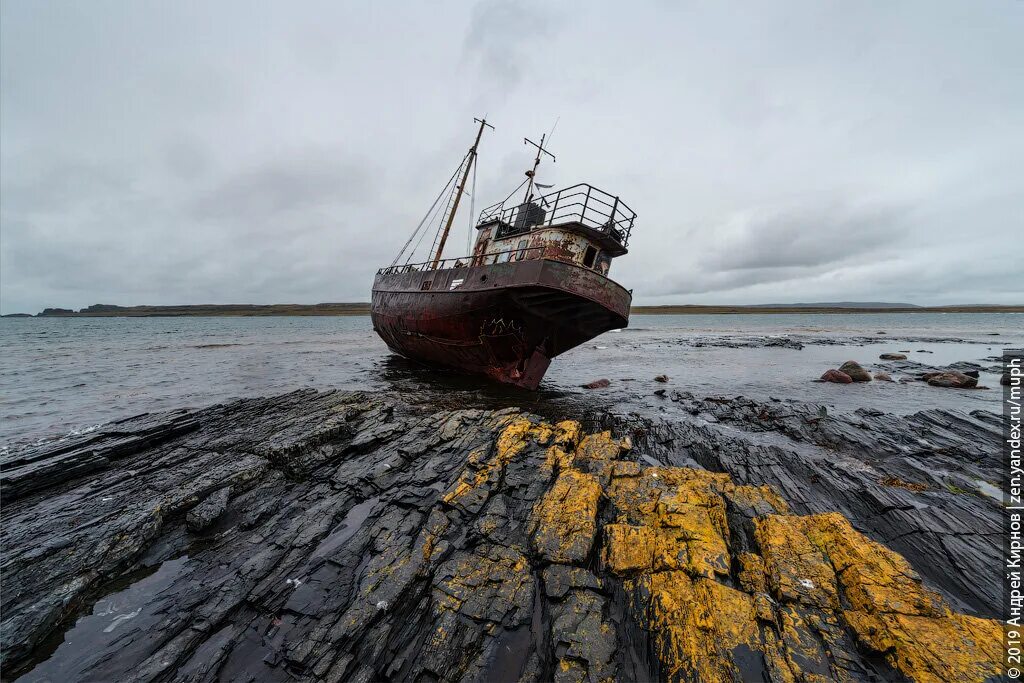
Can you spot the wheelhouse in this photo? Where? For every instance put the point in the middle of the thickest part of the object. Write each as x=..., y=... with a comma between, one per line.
x=580, y=224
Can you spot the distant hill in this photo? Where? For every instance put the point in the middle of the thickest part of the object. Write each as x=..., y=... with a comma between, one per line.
x=839, y=304
x=109, y=310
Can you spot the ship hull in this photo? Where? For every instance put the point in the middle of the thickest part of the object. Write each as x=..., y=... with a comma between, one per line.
x=505, y=321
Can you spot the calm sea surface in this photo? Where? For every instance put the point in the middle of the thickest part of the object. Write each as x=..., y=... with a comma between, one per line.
x=62, y=375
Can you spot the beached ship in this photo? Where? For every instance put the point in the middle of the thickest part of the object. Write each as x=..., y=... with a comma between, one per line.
x=535, y=285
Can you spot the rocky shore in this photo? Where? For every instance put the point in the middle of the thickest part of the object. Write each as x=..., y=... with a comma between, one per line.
x=354, y=536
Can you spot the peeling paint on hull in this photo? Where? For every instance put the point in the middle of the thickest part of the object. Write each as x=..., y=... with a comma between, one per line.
x=505, y=321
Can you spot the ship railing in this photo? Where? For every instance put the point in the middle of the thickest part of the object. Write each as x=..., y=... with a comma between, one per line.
x=524, y=254
x=583, y=203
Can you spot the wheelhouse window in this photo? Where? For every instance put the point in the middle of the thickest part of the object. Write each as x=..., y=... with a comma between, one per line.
x=522, y=250
x=589, y=256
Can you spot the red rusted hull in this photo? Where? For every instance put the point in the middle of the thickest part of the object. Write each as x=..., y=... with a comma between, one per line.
x=505, y=321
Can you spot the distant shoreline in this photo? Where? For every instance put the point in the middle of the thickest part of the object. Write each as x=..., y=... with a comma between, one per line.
x=346, y=309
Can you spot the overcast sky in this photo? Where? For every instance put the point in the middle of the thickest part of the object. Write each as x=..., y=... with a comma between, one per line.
x=223, y=152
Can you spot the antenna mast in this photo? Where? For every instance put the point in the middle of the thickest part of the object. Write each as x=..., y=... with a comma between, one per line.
x=536, y=162
x=458, y=195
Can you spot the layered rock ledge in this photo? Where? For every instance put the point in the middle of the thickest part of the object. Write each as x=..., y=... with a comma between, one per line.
x=351, y=536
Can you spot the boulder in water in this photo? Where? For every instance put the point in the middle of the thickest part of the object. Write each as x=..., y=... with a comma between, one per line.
x=836, y=376
x=893, y=356
x=855, y=371
x=952, y=379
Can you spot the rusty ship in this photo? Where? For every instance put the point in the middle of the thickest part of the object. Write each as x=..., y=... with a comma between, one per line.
x=534, y=285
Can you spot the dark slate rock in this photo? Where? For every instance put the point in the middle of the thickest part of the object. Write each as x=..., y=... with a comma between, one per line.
x=207, y=512
x=345, y=548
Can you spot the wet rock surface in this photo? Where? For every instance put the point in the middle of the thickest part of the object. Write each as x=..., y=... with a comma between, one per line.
x=801, y=340
x=353, y=536
x=949, y=529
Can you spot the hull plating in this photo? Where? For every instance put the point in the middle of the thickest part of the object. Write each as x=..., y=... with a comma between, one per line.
x=505, y=321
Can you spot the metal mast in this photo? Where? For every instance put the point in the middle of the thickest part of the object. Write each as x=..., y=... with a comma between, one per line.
x=458, y=194
x=536, y=162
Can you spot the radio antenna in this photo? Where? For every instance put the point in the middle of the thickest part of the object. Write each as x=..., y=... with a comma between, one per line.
x=532, y=173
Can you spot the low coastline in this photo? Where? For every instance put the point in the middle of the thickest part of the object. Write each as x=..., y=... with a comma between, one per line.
x=363, y=308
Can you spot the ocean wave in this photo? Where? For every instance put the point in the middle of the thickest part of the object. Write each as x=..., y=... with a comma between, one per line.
x=13, y=448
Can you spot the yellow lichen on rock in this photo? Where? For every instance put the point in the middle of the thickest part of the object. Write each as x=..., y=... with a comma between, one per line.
x=468, y=481
x=933, y=650
x=480, y=585
x=480, y=470
x=557, y=458
x=797, y=569
x=565, y=520
x=671, y=544
x=689, y=514
x=695, y=624
x=752, y=577
x=893, y=613
x=676, y=514
x=628, y=549
x=821, y=561
x=601, y=447
x=720, y=581
x=567, y=434
x=515, y=436
x=873, y=578
x=597, y=454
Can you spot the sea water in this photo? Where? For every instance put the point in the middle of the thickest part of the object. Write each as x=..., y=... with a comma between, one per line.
x=68, y=375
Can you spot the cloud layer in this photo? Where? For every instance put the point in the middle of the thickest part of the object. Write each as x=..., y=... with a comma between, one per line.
x=256, y=152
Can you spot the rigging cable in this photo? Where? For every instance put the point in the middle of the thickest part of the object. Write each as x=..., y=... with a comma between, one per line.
x=513, y=192
x=447, y=210
x=425, y=217
x=423, y=234
x=447, y=205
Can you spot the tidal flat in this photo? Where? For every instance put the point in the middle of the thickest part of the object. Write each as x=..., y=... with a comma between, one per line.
x=326, y=511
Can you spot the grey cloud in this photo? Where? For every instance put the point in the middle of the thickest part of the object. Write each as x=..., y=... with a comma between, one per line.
x=806, y=236
x=761, y=246
x=61, y=187
x=500, y=38
x=185, y=158
x=299, y=183
x=264, y=152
